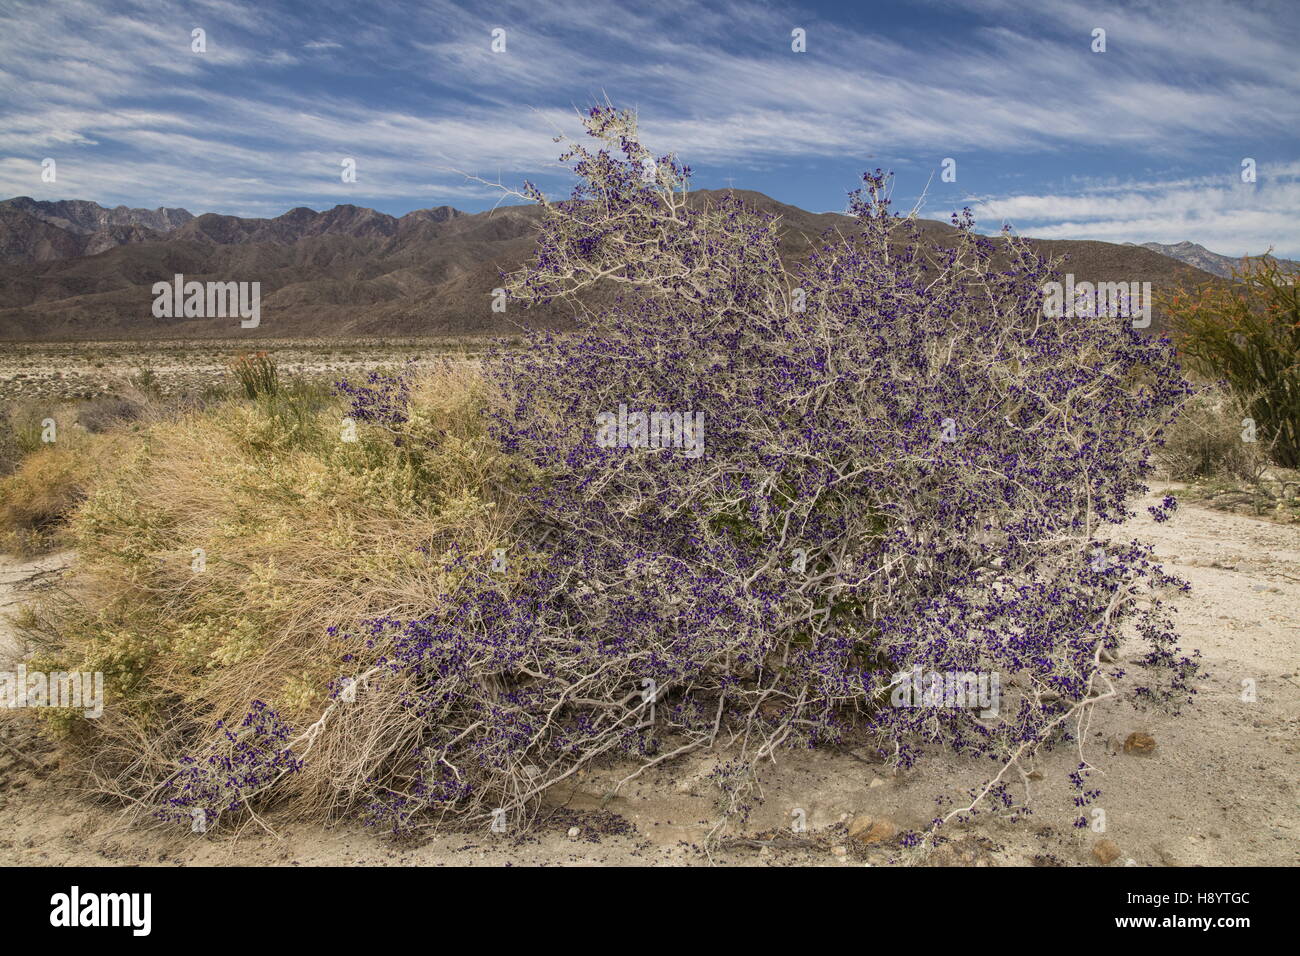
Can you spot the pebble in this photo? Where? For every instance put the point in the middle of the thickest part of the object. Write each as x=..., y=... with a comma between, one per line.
x=1105, y=851
x=867, y=829
x=1139, y=743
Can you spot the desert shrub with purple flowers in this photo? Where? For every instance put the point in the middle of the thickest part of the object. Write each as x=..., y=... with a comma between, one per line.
x=744, y=507
x=904, y=465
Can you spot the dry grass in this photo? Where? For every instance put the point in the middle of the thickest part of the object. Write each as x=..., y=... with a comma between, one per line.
x=1205, y=441
x=219, y=549
x=48, y=469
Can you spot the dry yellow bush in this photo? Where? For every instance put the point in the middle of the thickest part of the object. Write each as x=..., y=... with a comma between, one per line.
x=216, y=551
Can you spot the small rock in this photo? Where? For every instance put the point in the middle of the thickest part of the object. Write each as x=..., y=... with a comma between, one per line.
x=573, y=833
x=840, y=851
x=877, y=782
x=865, y=829
x=1141, y=744
x=1105, y=851
x=1035, y=775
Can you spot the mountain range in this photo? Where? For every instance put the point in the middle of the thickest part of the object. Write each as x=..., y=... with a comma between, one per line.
x=1197, y=255
x=75, y=270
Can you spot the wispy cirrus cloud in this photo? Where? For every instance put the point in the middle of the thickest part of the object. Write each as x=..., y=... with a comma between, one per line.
x=1241, y=216
x=1045, y=132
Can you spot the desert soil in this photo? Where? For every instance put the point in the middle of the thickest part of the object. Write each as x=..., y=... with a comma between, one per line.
x=1219, y=787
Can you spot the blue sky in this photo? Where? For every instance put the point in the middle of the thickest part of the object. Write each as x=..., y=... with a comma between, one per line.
x=1142, y=142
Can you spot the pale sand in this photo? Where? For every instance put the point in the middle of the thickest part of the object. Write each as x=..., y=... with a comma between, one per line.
x=1220, y=788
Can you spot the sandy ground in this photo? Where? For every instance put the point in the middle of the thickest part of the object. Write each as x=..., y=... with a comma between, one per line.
x=1218, y=789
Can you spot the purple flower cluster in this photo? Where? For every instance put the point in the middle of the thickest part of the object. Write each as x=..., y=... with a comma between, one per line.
x=243, y=761
x=1165, y=510
x=381, y=399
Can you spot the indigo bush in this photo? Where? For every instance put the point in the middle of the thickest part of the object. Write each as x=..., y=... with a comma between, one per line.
x=380, y=399
x=906, y=464
x=903, y=464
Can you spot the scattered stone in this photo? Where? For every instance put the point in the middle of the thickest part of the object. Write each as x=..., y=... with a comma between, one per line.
x=573, y=833
x=1141, y=744
x=1105, y=851
x=877, y=782
x=870, y=830
x=1035, y=775
x=840, y=851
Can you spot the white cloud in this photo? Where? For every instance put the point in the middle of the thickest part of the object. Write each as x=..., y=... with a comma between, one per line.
x=113, y=91
x=1222, y=214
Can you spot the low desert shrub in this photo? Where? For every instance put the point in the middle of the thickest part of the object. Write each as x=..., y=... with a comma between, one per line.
x=56, y=462
x=256, y=374
x=1210, y=438
x=21, y=428
x=101, y=414
x=220, y=549
x=38, y=497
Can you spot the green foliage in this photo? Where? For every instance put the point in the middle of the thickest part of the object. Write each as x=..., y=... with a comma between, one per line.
x=1249, y=335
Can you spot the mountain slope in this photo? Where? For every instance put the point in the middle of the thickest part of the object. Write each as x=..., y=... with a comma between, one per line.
x=1197, y=255
x=83, y=217
x=32, y=231
x=352, y=271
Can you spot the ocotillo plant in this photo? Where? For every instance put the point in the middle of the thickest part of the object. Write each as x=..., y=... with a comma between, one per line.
x=1249, y=335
